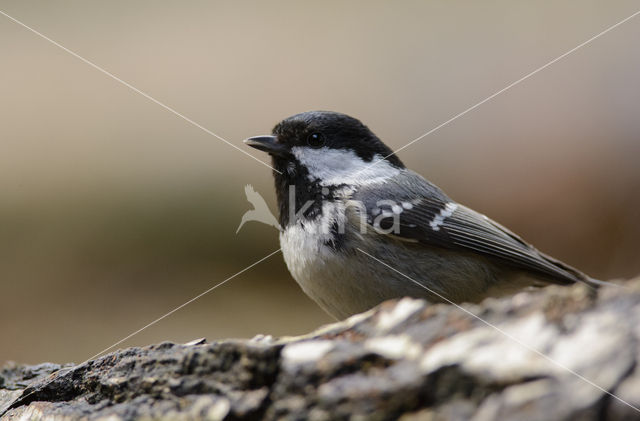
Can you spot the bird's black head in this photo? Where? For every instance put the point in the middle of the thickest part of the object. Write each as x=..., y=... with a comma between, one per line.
x=319, y=150
x=323, y=133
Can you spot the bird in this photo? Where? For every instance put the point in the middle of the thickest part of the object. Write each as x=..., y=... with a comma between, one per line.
x=260, y=211
x=359, y=228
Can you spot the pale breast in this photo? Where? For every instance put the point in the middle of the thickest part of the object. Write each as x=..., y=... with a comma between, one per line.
x=347, y=281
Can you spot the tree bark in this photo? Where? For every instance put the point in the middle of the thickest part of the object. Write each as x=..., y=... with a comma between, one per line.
x=552, y=354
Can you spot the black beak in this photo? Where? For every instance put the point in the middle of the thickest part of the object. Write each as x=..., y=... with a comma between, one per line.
x=268, y=144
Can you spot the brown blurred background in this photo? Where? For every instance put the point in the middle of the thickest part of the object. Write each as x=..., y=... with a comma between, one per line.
x=114, y=211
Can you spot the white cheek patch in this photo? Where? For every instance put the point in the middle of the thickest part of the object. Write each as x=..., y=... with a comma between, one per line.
x=341, y=166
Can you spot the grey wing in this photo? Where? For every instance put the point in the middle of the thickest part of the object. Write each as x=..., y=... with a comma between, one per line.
x=411, y=208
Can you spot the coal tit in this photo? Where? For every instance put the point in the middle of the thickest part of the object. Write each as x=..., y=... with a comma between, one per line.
x=342, y=192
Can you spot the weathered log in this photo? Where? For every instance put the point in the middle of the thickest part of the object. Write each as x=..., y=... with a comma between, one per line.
x=553, y=354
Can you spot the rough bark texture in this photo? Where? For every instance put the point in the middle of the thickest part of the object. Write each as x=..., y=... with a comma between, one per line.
x=553, y=354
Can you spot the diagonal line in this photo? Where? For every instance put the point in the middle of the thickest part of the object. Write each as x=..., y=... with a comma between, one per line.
x=513, y=338
x=23, y=398
x=506, y=88
x=133, y=88
x=181, y=306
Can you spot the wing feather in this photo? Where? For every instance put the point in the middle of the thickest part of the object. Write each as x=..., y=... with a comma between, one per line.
x=463, y=229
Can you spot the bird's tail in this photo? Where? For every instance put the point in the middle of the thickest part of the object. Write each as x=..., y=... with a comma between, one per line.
x=574, y=275
x=598, y=283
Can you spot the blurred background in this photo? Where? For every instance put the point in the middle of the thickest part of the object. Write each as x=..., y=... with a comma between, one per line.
x=114, y=211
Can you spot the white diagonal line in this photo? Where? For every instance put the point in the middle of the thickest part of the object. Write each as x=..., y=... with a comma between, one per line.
x=511, y=85
x=181, y=306
x=22, y=398
x=513, y=338
x=133, y=88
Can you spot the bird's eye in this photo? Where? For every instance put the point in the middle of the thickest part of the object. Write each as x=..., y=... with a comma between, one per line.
x=315, y=140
